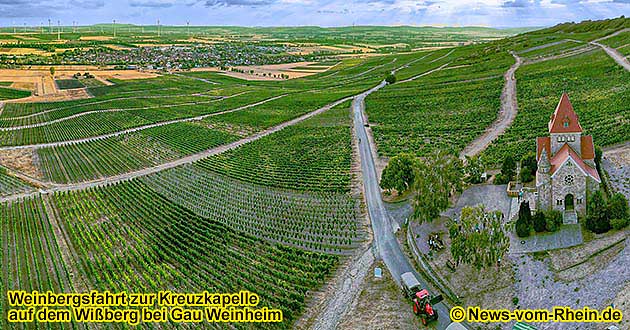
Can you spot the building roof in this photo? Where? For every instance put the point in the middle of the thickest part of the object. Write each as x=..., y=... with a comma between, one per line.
x=588, y=148
x=543, y=143
x=567, y=152
x=564, y=119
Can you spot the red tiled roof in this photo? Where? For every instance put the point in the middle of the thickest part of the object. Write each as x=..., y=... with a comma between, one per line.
x=565, y=152
x=564, y=114
x=588, y=149
x=543, y=142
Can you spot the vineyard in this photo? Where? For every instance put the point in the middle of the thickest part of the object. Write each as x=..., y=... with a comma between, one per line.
x=129, y=237
x=108, y=122
x=597, y=87
x=115, y=155
x=10, y=185
x=314, y=155
x=313, y=221
x=31, y=256
x=446, y=109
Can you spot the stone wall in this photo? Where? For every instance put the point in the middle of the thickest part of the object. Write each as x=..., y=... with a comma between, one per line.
x=560, y=187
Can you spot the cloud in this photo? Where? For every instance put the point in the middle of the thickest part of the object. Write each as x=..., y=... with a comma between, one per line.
x=152, y=4
x=250, y=3
x=88, y=4
x=517, y=4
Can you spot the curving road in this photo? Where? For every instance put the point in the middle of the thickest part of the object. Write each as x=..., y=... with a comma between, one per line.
x=507, y=114
x=383, y=227
x=620, y=59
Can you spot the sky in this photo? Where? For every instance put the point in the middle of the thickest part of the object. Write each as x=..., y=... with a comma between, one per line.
x=493, y=13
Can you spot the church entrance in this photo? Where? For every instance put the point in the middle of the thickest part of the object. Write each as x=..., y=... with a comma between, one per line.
x=568, y=202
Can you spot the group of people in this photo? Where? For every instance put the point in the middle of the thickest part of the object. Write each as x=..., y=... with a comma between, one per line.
x=435, y=243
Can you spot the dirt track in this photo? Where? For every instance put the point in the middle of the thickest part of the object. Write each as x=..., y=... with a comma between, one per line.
x=507, y=114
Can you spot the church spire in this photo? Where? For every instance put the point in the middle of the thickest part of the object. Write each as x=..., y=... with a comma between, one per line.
x=564, y=119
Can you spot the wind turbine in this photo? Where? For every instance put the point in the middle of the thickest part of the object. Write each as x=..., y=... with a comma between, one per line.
x=114, y=28
x=188, y=27
x=158, y=27
x=58, y=30
x=50, y=26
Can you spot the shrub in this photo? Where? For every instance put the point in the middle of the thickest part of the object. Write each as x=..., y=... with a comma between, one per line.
x=553, y=220
x=390, y=79
x=597, y=214
x=618, y=206
x=619, y=223
x=522, y=228
x=501, y=179
x=539, y=222
x=508, y=169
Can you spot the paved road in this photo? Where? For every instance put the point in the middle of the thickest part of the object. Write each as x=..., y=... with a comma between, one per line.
x=139, y=128
x=383, y=227
x=507, y=114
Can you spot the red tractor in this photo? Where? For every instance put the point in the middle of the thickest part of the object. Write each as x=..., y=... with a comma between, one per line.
x=423, y=307
x=422, y=301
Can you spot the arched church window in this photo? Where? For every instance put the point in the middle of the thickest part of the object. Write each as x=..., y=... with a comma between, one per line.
x=569, y=179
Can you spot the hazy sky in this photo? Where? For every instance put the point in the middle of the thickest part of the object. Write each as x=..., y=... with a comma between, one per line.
x=497, y=13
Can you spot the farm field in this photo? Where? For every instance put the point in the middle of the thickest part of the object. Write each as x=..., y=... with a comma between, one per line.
x=10, y=93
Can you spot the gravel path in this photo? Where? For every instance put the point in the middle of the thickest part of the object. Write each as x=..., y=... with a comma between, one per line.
x=620, y=59
x=507, y=113
x=139, y=128
x=536, y=287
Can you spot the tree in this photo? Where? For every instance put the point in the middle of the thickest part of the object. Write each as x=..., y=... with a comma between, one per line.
x=553, y=219
x=539, y=222
x=618, y=206
x=474, y=169
x=508, y=169
x=529, y=166
x=597, y=215
x=525, y=213
x=478, y=239
x=52, y=70
x=390, y=79
x=399, y=173
x=436, y=178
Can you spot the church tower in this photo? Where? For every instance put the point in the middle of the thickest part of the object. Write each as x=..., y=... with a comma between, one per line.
x=564, y=127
